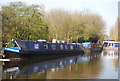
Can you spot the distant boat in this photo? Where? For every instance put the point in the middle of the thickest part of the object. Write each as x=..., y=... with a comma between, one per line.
x=91, y=47
x=109, y=44
x=22, y=48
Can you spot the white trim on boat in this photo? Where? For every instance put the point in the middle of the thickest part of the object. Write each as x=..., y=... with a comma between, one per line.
x=12, y=50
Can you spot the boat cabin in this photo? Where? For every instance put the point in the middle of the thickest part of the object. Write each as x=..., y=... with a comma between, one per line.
x=110, y=44
x=90, y=45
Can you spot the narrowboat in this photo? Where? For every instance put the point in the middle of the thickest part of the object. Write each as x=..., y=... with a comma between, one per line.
x=91, y=47
x=109, y=44
x=22, y=48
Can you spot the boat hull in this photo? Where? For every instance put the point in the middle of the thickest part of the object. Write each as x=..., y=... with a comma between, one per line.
x=90, y=50
x=110, y=48
x=34, y=54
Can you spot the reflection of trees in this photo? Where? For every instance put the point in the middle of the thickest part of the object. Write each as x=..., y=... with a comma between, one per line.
x=34, y=76
x=116, y=63
x=113, y=55
x=0, y=71
x=83, y=70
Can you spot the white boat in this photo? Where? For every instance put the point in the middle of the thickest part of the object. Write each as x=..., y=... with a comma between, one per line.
x=110, y=45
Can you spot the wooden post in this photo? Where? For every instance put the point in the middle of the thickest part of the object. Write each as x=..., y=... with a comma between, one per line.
x=0, y=71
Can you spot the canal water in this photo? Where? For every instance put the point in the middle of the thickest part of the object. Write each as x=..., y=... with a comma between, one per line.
x=97, y=65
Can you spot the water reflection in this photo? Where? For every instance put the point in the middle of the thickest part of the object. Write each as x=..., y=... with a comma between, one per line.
x=85, y=67
x=110, y=63
x=89, y=66
x=110, y=53
x=0, y=71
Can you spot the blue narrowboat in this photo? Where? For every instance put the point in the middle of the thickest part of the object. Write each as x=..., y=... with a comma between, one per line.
x=91, y=47
x=22, y=48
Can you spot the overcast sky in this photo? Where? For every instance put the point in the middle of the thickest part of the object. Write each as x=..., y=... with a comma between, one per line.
x=108, y=9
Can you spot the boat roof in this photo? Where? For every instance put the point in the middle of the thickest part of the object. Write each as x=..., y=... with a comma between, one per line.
x=110, y=41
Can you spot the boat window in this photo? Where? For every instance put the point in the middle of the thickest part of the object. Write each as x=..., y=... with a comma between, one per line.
x=65, y=46
x=78, y=46
x=112, y=44
x=14, y=44
x=46, y=46
x=109, y=44
x=53, y=47
x=116, y=44
x=22, y=44
x=105, y=43
x=92, y=45
x=61, y=47
x=36, y=46
x=71, y=47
